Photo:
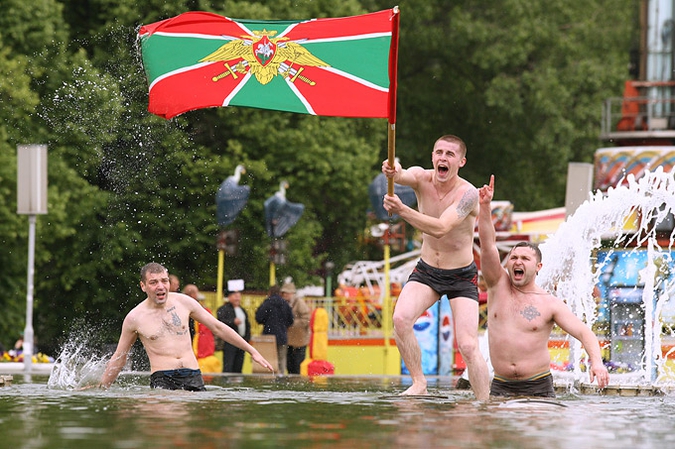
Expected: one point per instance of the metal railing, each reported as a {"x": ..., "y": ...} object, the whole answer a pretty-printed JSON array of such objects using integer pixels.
[
  {"x": 653, "y": 115},
  {"x": 646, "y": 107}
]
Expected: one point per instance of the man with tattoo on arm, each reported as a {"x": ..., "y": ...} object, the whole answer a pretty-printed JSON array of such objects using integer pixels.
[
  {"x": 446, "y": 215},
  {"x": 161, "y": 322},
  {"x": 521, "y": 316}
]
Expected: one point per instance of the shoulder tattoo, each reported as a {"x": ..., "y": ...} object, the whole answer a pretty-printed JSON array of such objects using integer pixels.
[{"x": 467, "y": 203}]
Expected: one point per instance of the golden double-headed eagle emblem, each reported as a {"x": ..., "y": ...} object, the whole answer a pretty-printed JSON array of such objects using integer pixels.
[{"x": 264, "y": 57}]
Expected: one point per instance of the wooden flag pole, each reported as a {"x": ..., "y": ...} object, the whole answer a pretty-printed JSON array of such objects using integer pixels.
[
  {"x": 391, "y": 154},
  {"x": 387, "y": 306}
]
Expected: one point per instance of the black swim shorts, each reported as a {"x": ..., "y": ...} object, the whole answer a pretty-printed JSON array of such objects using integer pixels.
[
  {"x": 460, "y": 282},
  {"x": 540, "y": 385},
  {"x": 178, "y": 379}
]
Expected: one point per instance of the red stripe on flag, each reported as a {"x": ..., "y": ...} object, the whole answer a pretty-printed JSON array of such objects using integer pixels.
[
  {"x": 195, "y": 23},
  {"x": 216, "y": 25},
  {"x": 393, "y": 67},
  {"x": 171, "y": 96},
  {"x": 378, "y": 22},
  {"x": 336, "y": 95}
]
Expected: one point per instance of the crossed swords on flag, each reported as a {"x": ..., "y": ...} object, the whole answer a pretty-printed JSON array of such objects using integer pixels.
[{"x": 285, "y": 70}]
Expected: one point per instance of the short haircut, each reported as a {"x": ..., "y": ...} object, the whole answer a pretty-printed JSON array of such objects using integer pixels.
[
  {"x": 454, "y": 139},
  {"x": 533, "y": 246},
  {"x": 152, "y": 267}
]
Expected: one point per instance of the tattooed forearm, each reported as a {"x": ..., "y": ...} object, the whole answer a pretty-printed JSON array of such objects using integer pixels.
[{"x": 467, "y": 203}]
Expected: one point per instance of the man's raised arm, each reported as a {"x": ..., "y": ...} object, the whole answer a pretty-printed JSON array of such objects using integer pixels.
[{"x": 490, "y": 263}]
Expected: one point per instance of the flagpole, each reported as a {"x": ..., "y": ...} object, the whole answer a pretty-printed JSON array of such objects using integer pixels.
[
  {"x": 387, "y": 307},
  {"x": 221, "y": 266},
  {"x": 393, "y": 67}
]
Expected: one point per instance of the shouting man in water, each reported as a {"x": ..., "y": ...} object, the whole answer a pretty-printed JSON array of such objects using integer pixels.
[
  {"x": 522, "y": 315},
  {"x": 447, "y": 210},
  {"x": 161, "y": 321}
]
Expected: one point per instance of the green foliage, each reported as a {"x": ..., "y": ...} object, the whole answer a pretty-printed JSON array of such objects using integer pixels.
[{"x": 521, "y": 82}]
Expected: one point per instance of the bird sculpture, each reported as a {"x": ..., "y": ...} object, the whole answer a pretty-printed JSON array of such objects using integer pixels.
[
  {"x": 231, "y": 197},
  {"x": 281, "y": 214}
]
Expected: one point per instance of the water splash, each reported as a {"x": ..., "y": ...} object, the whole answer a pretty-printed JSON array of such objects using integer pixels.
[
  {"x": 623, "y": 217},
  {"x": 82, "y": 359},
  {"x": 76, "y": 367}
]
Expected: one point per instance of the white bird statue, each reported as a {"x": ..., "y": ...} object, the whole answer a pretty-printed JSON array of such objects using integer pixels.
[
  {"x": 231, "y": 197},
  {"x": 281, "y": 214}
]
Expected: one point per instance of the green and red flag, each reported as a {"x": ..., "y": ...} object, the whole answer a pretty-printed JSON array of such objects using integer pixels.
[{"x": 343, "y": 67}]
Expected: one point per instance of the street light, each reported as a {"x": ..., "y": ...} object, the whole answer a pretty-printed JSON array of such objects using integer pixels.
[{"x": 31, "y": 200}]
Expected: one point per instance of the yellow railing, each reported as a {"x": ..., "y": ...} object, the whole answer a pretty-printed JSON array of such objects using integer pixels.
[{"x": 348, "y": 317}]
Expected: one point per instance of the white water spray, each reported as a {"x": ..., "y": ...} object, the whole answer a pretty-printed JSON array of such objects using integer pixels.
[{"x": 571, "y": 270}]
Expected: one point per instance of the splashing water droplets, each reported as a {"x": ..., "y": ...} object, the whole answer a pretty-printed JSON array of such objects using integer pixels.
[
  {"x": 625, "y": 216},
  {"x": 76, "y": 367}
]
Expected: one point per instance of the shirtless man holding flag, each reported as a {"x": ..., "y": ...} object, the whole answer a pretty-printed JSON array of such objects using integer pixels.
[{"x": 446, "y": 215}]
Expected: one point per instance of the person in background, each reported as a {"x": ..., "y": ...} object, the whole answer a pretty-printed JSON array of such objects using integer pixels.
[
  {"x": 522, "y": 315},
  {"x": 174, "y": 283},
  {"x": 203, "y": 342},
  {"x": 446, "y": 215},
  {"x": 18, "y": 347},
  {"x": 174, "y": 286},
  {"x": 161, "y": 323},
  {"x": 276, "y": 316},
  {"x": 232, "y": 314},
  {"x": 298, "y": 333}
]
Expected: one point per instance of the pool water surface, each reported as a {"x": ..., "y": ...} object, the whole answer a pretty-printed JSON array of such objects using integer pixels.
[{"x": 338, "y": 412}]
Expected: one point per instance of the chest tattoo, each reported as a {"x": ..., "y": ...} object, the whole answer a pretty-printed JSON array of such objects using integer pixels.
[
  {"x": 530, "y": 313},
  {"x": 175, "y": 319}
]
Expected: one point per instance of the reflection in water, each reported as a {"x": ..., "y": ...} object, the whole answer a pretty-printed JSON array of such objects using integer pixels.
[{"x": 341, "y": 412}]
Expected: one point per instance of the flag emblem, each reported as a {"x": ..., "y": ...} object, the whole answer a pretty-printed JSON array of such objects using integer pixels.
[{"x": 264, "y": 57}]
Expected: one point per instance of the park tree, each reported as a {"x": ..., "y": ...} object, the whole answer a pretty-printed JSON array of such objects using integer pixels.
[{"x": 521, "y": 81}]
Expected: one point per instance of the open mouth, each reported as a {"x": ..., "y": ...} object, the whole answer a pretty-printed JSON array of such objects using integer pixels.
[
  {"x": 442, "y": 169},
  {"x": 518, "y": 273}
]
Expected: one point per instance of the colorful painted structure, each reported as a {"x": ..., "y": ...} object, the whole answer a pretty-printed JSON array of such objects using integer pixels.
[{"x": 613, "y": 164}]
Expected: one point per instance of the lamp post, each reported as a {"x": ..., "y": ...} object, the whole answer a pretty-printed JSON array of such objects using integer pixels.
[
  {"x": 280, "y": 216},
  {"x": 31, "y": 200},
  {"x": 230, "y": 200},
  {"x": 329, "y": 266}
]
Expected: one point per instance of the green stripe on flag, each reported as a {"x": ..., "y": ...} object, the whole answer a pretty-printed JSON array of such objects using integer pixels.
[
  {"x": 274, "y": 95},
  {"x": 164, "y": 54},
  {"x": 364, "y": 58}
]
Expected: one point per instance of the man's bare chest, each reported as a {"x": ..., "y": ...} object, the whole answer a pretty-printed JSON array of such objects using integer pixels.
[{"x": 164, "y": 325}]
